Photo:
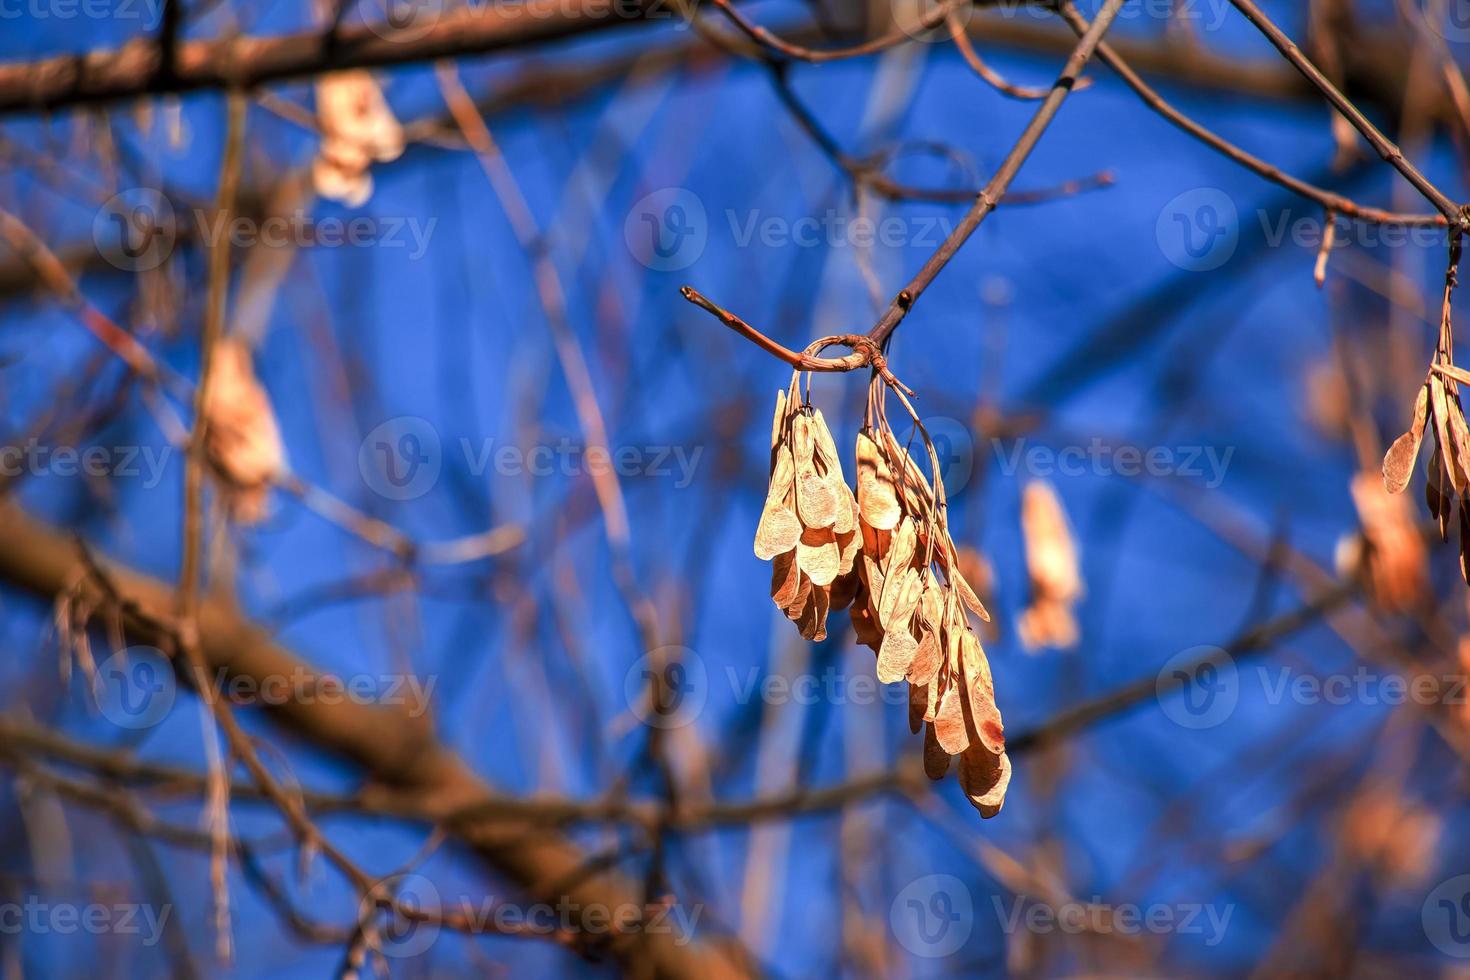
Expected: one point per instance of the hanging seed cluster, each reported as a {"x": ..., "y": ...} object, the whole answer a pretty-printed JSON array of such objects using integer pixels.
[
  {"x": 808, "y": 528},
  {"x": 1438, "y": 402},
  {"x": 884, "y": 553}
]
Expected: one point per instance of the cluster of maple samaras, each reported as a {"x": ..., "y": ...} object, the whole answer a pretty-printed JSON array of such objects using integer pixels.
[
  {"x": 876, "y": 553},
  {"x": 1448, "y": 483}
]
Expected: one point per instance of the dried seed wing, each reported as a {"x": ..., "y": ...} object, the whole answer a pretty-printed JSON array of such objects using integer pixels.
[
  {"x": 967, "y": 595},
  {"x": 983, "y": 715},
  {"x": 803, "y": 595},
  {"x": 1459, "y": 442},
  {"x": 1398, "y": 463},
  {"x": 783, "y": 476},
  {"x": 822, "y": 601},
  {"x": 949, "y": 723},
  {"x": 936, "y": 760},
  {"x": 1465, "y": 539},
  {"x": 876, "y": 543},
  {"x": 826, "y": 450},
  {"x": 802, "y": 442},
  {"x": 785, "y": 578},
  {"x": 779, "y": 531},
  {"x": 815, "y": 501},
  {"x": 1432, "y": 487},
  {"x": 924, "y": 667},
  {"x": 908, "y": 599},
  {"x": 847, "y": 551},
  {"x": 876, "y": 496},
  {"x": 845, "y": 589},
  {"x": 865, "y": 625},
  {"x": 845, "y": 521},
  {"x": 918, "y": 697},
  {"x": 778, "y": 422},
  {"x": 873, "y": 575},
  {"x": 1440, "y": 505},
  {"x": 1440, "y": 403},
  {"x": 931, "y": 603},
  {"x": 817, "y": 555},
  {"x": 895, "y": 655},
  {"x": 807, "y": 619},
  {"x": 985, "y": 776},
  {"x": 900, "y": 596},
  {"x": 905, "y": 542}
]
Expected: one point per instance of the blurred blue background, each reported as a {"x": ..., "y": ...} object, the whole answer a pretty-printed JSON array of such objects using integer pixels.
[{"x": 1080, "y": 317}]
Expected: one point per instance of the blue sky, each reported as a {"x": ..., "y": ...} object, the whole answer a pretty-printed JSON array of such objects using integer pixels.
[{"x": 1084, "y": 310}]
